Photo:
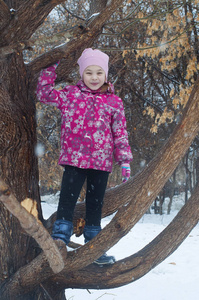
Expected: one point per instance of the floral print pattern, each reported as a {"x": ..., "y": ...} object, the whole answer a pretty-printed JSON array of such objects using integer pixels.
[{"x": 93, "y": 125}]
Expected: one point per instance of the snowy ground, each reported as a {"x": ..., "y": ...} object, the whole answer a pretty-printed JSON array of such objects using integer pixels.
[{"x": 176, "y": 278}]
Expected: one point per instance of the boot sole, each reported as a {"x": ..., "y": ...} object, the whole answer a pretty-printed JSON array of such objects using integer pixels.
[{"x": 111, "y": 262}]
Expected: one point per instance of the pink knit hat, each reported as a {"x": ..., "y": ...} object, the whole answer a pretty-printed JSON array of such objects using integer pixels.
[{"x": 94, "y": 57}]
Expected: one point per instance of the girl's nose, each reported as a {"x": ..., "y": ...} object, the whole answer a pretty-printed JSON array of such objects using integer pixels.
[{"x": 94, "y": 76}]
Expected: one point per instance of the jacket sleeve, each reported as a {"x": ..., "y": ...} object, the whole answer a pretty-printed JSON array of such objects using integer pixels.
[
  {"x": 122, "y": 151},
  {"x": 45, "y": 87}
]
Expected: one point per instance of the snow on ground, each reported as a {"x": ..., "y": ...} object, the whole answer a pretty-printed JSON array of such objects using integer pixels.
[{"x": 176, "y": 278}]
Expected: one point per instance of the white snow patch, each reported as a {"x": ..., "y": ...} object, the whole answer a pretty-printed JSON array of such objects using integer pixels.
[
  {"x": 175, "y": 278},
  {"x": 39, "y": 150}
]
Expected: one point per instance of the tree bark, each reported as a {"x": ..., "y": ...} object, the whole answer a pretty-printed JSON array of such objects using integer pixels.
[
  {"x": 132, "y": 268},
  {"x": 83, "y": 37},
  {"x": 18, "y": 163},
  {"x": 30, "y": 223},
  {"x": 26, "y": 19},
  {"x": 4, "y": 14},
  {"x": 19, "y": 167},
  {"x": 25, "y": 272},
  {"x": 140, "y": 193}
]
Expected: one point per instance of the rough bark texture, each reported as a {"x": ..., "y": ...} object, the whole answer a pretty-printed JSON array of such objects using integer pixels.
[
  {"x": 33, "y": 227},
  {"x": 25, "y": 272},
  {"x": 141, "y": 193},
  {"x": 19, "y": 168}
]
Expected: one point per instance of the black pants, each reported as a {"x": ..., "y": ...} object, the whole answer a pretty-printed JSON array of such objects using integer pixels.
[{"x": 72, "y": 182}]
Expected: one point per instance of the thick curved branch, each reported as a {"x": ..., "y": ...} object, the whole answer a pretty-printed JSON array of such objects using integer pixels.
[
  {"x": 84, "y": 36},
  {"x": 140, "y": 194},
  {"x": 132, "y": 268},
  {"x": 18, "y": 47},
  {"x": 122, "y": 272},
  {"x": 150, "y": 182},
  {"x": 146, "y": 186},
  {"x": 30, "y": 15},
  {"x": 32, "y": 227},
  {"x": 29, "y": 44}
]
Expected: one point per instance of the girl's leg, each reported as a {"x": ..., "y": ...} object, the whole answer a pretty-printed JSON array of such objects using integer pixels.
[
  {"x": 72, "y": 182},
  {"x": 96, "y": 186}
]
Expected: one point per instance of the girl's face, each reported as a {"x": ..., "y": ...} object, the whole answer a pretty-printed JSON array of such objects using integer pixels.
[{"x": 94, "y": 77}]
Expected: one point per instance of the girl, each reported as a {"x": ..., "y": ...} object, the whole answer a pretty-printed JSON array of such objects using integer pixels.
[{"x": 93, "y": 130}]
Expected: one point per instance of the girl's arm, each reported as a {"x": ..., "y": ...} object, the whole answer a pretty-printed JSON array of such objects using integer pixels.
[
  {"x": 45, "y": 88},
  {"x": 122, "y": 150}
]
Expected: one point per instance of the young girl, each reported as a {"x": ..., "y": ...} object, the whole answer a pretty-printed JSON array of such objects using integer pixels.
[{"x": 93, "y": 129}]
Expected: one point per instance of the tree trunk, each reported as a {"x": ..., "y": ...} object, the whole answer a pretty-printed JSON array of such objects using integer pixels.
[
  {"x": 19, "y": 167},
  {"x": 25, "y": 272},
  {"x": 140, "y": 193}
]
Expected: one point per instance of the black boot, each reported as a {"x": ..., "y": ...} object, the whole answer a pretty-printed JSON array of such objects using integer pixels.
[
  {"x": 89, "y": 233},
  {"x": 62, "y": 230}
]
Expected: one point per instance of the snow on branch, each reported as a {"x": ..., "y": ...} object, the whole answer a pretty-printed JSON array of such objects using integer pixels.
[
  {"x": 29, "y": 223},
  {"x": 93, "y": 16}
]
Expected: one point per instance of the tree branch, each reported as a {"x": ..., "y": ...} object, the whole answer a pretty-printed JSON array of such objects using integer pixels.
[
  {"x": 122, "y": 272},
  {"x": 140, "y": 193},
  {"x": 18, "y": 47},
  {"x": 29, "y": 44},
  {"x": 84, "y": 37},
  {"x": 32, "y": 227},
  {"x": 4, "y": 14},
  {"x": 134, "y": 267},
  {"x": 70, "y": 12},
  {"x": 30, "y": 15},
  {"x": 96, "y": 7}
]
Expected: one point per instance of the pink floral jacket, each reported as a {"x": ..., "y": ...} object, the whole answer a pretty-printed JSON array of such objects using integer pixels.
[{"x": 93, "y": 124}]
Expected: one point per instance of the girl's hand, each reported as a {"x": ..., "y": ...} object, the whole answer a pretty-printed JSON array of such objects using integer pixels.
[{"x": 126, "y": 172}]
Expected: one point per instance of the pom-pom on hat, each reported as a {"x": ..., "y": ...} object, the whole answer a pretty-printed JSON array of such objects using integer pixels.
[{"x": 92, "y": 57}]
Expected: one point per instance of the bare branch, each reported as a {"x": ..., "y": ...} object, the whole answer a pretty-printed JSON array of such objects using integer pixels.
[
  {"x": 83, "y": 37},
  {"x": 32, "y": 227},
  {"x": 72, "y": 14}
]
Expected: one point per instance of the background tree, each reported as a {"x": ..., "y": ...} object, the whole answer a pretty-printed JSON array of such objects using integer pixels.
[
  {"x": 32, "y": 266},
  {"x": 144, "y": 78}
]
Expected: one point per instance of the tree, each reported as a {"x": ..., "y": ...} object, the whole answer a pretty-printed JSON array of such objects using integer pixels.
[
  {"x": 155, "y": 80},
  {"x": 33, "y": 266}
]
